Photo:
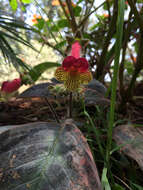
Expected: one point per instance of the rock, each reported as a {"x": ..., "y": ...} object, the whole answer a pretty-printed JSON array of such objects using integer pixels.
[
  {"x": 46, "y": 156},
  {"x": 38, "y": 90},
  {"x": 132, "y": 139},
  {"x": 95, "y": 94},
  {"x": 55, "y": 81},
  {"x": 97, "y": 86}
]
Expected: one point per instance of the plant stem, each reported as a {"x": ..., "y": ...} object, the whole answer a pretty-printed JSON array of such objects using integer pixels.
[
  {"x": 119, "y": 34},
  {"x": 73, "y": 21},
  {"x": 127, "y": 33},
  {"x": 137, "y": 15},
  {"x": 138, "y": 68},
  {"x": 70, "y": 106},
  {"x": 96, "y": 132},
  {"x": 102, "y": 62},
  {"x": 52, "y": 110}
]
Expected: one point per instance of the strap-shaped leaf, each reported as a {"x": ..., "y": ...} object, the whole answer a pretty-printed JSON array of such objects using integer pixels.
[{"x": 37, "y": 71}]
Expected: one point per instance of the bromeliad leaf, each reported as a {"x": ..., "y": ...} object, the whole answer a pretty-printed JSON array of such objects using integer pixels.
[{"x": 37, "y": 71}]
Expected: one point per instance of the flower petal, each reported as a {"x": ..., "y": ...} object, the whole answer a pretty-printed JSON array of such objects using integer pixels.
[
  {"x": 81, "y": 64},
  {"x": 72, "y": 84},
  {"x": 75, "y": 50},
  {"x": 85, "y": 77},
  {"x": 60, "y": 74},
  {"x": 68, "y": 62}
]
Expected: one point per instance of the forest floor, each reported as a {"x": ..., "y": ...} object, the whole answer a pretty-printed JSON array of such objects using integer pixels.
[{"x": 25, "y": 110}]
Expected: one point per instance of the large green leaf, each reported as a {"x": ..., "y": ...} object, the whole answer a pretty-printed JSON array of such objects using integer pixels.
[
  {"x": 26, "y": 1},
  {"x": 13, "y": 4},
  {"x": 37, "y": 71}
]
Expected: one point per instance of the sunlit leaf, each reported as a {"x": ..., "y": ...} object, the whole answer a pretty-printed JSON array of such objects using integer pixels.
[
  {"x": 13, "y": 4},
  {"x": 37, "y": 71},
  {"x": 26, "y": 1},
  {"x": 40, "y": 23}
]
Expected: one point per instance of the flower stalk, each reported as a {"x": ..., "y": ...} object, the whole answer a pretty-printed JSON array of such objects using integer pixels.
[
  {"x": 52, "y": 110},
  {"x": 70, "y": 105}
]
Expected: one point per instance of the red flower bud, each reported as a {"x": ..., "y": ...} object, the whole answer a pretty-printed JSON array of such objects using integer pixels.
[
  {"x": 75, "y": 50},
  {"x": 11, "y": 86}
]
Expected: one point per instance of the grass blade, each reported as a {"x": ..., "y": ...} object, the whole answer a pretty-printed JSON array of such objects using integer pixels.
[{"x": 119, "y": 35}]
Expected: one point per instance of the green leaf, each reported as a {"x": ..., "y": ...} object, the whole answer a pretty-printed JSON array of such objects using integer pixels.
[
  {"x": 118, "y": 46},
  {"x": 54, "y": 28},
  {"x": 118, "y": 187},
  {"x": 23, "y": 8},
  {"x": 77, "y": 11},
  {"x": 13, "y": 4},
  {"x": 138, "y": 187},
  {"x": 37, "y": 71},
  {"x": 80, "y": 1},
  {"x": 40, "y": 23},
  {"x": 63, "y": 23},
  {"x": 129, "y": 66},
  {"x": 104, "y": 180},
  {"x": 61, "y": 44},
  {"x": 26, "y": 1},
  {"x": 139, "y": 1}
]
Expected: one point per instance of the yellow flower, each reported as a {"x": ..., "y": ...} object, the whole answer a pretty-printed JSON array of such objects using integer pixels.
[{"x": 73, "y": 72}]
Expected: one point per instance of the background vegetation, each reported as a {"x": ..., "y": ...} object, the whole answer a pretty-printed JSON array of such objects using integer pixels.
[{"x": 111, "y": 34}]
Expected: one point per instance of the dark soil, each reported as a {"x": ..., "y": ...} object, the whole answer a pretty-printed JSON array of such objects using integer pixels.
[
  {"x": 25, "y": 110},
  {"x": 20, "y": 111}
]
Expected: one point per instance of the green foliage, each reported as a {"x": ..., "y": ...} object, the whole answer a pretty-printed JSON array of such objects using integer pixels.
[
  {"x": 63, "y": 23},
  {"x": 118, "y": 187},
  {"x": 13, "y": 4},
  {"x": 138, "y": 187},
  {"x": 36, "y": 71},
  {"x": 120, "y": 21},
  {"x": 26, "y": 1},
  {"x": 109, "y": 41},
  {"x": 40, "y": 23},
  {"x": 10, "y": 36},
  {"x": 77, "y": 11},
  {"x": 104, "y": 180}
]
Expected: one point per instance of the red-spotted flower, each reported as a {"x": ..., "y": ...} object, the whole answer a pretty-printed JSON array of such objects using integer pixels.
[
  {"x": 11, "y": 86},
  {"x": 74, "y": 70}
]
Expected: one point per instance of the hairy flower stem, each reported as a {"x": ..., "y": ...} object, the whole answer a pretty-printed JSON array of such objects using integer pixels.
[
  {"x": 70, "y": 106},
  {"x": 52, "y": 110}
]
